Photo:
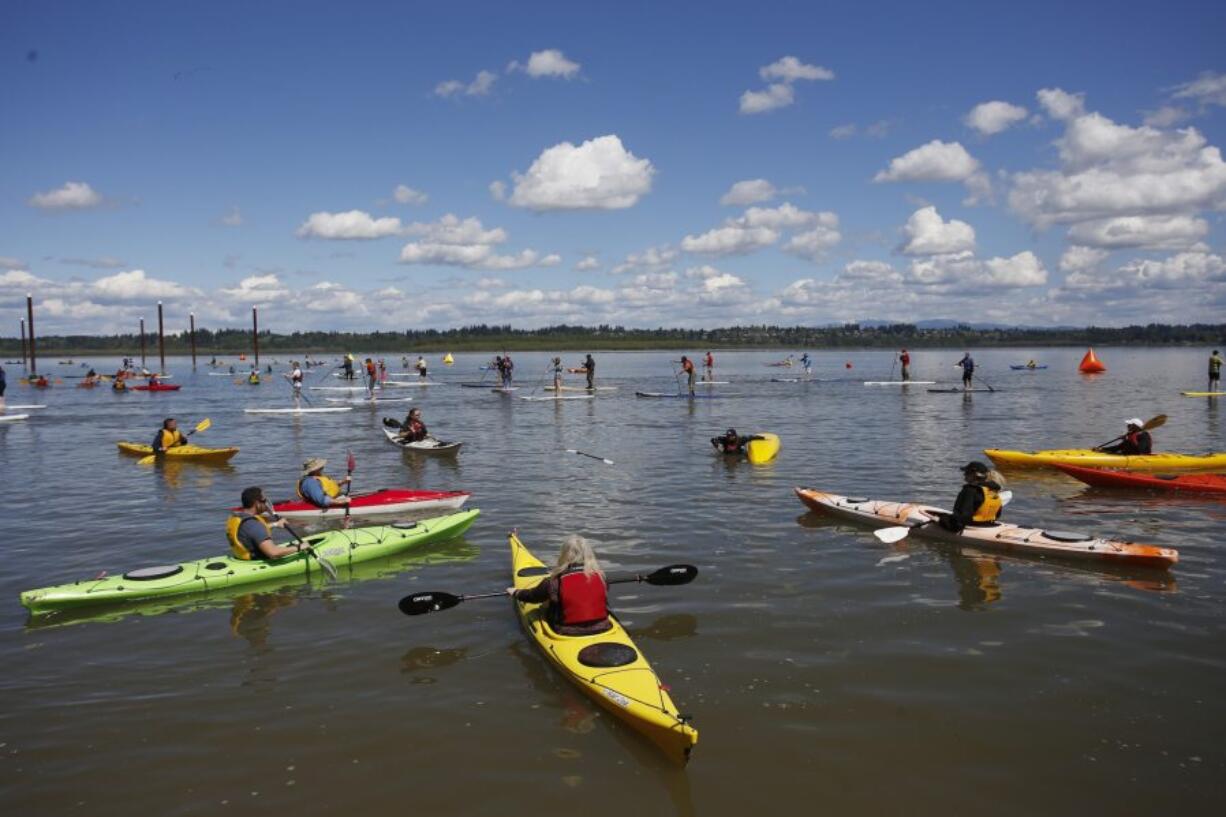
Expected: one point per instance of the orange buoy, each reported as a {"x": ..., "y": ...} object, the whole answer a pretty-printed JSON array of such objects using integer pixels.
[{"x": 1090, "y": 364}]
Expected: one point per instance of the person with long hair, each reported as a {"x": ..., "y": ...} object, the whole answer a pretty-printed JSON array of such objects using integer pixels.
[{"x": 575, "y": 590}]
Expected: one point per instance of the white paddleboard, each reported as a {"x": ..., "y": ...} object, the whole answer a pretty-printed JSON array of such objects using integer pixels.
[
  {"x": 8, "y": 418},
  {"x": 390, "y": 385},
  {"x": 331, "y": 410},
  {"x": 712, "y": 382},
  {"x": 900, "y": 382},
  {"x": 505, "y": 389},
  {"x": 582, "y": 388},
  {"x": 27, "y": 406},
  {"x": 540, "y": 397},
  {"x": 367, "y": 401},
  {"x": 337, "y": 388}
]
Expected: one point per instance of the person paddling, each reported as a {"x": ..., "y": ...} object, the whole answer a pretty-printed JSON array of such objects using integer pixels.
[
  {"x": 557, "y": 374},
  {"x": 1215, "y": 371},
  {"x": 295, "y": 380},
  {"x": 708, "y": 367},
  {"x": 250, "y": 535},
  {"x": 168, "y": 436},
  {"x": 968, "y": 370},
  {"x": 508, "y": 366},
  {"x": 978, "y": 502},
  {"x": 1136, "y": 440},
  {"x": 422, "y": 369},
  {"x": 807, "y": 363},
  {"x": 319, "y": 490},
  {"x": 413, "y": 430},
  {"x": 575, "y": 589},
  {"x": 347, "y": 366},
  {"x": 589, "y": 366},
  {"x": 905, "y": 360},
  {"x": 687, "y": 368}
]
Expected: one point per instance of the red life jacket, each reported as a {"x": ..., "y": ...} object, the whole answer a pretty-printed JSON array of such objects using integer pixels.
[{"x": 583, "y": 599}]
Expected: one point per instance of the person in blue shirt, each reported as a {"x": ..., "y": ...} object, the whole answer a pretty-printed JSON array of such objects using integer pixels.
[
  {"x": 250, "y": 534},
  {"x": 968, "y": 370},
  {"x": 319, "y": 490},
  {"x": 807, "y": 363}
]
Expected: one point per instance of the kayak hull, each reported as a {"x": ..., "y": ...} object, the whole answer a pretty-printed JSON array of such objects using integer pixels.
[
  {"x": 632, "y": 692},
  {"x": 1025, "y": 368},
  {"x": 1163, "y": 462},
  {"x": 159, "y": 387},
  {"x": 343, "y": 548},
  {"x": 376, "y": 502},
  {"x": 764, "y": 450},
  {"x": 187, "y": 452},
  {"x": 1203, "y": 393},
  {"x": 1181, "y": 483},
  {"x": 998, "y": 536},
  {"x": 428, "y": 446}
]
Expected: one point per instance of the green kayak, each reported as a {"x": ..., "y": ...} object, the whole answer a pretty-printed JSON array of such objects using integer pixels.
[{"x": 343, "y": 548}]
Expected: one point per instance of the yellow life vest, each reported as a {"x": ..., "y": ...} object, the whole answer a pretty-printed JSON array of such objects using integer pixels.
[
  {"x": 989, "y": 509},
  {"x": 237, "y": 548},
  {"x": 253, "y": 378},
  {"x": 172, "y": 438},
  {"x": 331, "y": 487}
]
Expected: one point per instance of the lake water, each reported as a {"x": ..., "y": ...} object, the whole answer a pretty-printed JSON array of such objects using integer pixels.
[{"x": 825, "y": 671}]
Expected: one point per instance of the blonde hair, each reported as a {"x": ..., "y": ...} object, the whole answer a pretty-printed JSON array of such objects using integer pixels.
[
  {"x": 576, "y": 551},
  {"x": 997, "y": 477}
]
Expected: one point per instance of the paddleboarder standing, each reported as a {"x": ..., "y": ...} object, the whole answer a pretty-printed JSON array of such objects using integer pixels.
[
  {"x": 1215, "y": 372},
  {"x": 687, "y": 367},
  {"x": 589, "y": 366},
  {"x": 295, "y": 381},
  {"x": 708, "y": 367},
  {"x": 968, "y": 370},
  {"x": 905, "y": 360}
]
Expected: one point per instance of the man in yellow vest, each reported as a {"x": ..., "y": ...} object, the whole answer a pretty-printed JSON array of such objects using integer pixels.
[
  {"x": 978, "y": 502},
  {"x": 319, "y": 490},
  {"x": 168, "y": 436},
  {"x": 250, "y": 534}
]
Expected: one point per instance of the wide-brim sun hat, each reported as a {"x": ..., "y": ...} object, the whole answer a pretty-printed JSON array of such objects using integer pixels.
[{"x": 313, "y": 464}]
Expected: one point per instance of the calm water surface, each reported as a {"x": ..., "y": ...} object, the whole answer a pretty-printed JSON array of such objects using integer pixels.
[{"x": 824, "y": 670}]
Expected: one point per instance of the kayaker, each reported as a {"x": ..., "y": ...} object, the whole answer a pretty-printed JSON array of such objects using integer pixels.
[
  {"x": 731, "y": 442},
  {"x": 41, "y": 382},
  {"x": 321, "y": 491},
  {"x": 168, "y": 436},
  {"x": 968, "y": 370},
  {"x": 1215, "y": 372},
  {"x": 422, "y": 370},
  {"x": 118, "y": 383},
  {"x": 687, "y": 368},
  {"x": 575, "y": 590},
  {"x": 590, "y": 365},
  {"x": 250, "y": 534},
  {"x": 1136, "y": 440},
  {"x": 413, "y": 430},
  {"x": 905, "y": 360},
  {"x": 978, "y": 502},
  {"x": 254, "y": 378},
  {"x": 153, "y": 380},
  {"x": 557, "y": 374},
  {"x": 1030, "y": 364}
]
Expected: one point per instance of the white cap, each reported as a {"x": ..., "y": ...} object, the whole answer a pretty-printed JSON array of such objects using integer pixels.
[{"x": 1136, "y": 421}]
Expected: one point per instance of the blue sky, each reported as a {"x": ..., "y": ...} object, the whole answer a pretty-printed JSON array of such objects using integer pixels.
[{"x": 1036, "y": 163}]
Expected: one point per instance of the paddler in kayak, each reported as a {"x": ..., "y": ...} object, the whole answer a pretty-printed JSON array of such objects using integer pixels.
[
  {"x": 968, "y": 370},
  {"x": 168, "y": 436},
  {"x": 1030, "y": 364},
  {"x": 250, "y": 534},
  {"x": 575, "y": 589},
  {"x": 1215, "y": 371},
  {"x": 254, "y": 378},
  {"x": 1136, "y": 440},
  {"x": 978, "y": 502},
  {"x": 687, "y": 368},
  {"x": 413, "y": 430},
  {"x": 118, "y": 384},
  {"x": 321, "y": 491},
  {"x": 905, "y": 360},
  {"x": 732, "y": 443}
]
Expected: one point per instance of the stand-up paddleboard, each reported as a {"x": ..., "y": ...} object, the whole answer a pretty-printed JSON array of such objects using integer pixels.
[
  {"x": 224, "y": 374},
  {"x": 659, "y": 395},
  {"x": 582, "y": 388},
  {"x": 366, "y": 401},
  {"x": 552, "y": 397},
  {"x": 900, "y": 382},
  {"x": 795, "y": 380},
  {"x": 388, "y": 384},
  {"x": 8, "y": 418},
  {"x": 325, "y": 410},
  {"x": 338, "y": 388},
  {"x": 505, "y": 389},
  {"x": 960, "y": 391},
  {"x": 712, "y": 382},
  {"x": 24, "y": 407},
  {"x": 1203, "y": 393}
]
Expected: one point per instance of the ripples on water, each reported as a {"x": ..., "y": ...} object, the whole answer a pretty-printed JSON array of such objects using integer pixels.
[{"x": 824, "y": 669}]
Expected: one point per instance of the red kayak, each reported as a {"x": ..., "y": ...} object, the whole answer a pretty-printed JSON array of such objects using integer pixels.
[
  {"x": 388, "y": 501},
  {"x": 156, "y": 387},
  {"x": 1112, "y": 478}
]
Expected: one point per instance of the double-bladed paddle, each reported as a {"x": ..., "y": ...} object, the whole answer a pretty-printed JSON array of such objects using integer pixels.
[
  {"x": 203, "y": 425},
  {"x": 433, "y": 601},
  {"x": 324, "y": 565},
  {"x": 897, "y": 534},
  {"x": 1150, "y": 424},
  {"x": 605, "y": 460}
]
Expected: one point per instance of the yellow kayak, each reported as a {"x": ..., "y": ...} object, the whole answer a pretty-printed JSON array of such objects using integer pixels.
[
  {"x": 1162, "y": 461},
  {"x": 607, "y": 666},
  {"x": 181, "y": 452},
  {"x": 763, "y": 450}
]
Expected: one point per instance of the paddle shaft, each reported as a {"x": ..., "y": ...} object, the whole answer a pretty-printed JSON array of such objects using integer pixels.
[{"x": 1153, "y": 422}]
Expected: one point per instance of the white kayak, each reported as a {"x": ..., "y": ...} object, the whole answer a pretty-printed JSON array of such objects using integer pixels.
[
  {"x": 900, "y": 382},
  {"x": 430, "y": 445},
  {"x": 325, "y": 410},
  {"x": 8, "y": 418}
]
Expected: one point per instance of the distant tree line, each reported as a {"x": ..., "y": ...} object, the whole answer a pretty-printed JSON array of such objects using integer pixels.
[{"x": 482, "y": 337}]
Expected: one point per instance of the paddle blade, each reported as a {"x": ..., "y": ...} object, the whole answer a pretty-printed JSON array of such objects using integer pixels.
[
  {"x": 326, "y": 566},
  {"x": 892, "y": 535},
  {"x": 204, "y": 425},
  {"x": 672, "y": 575},
  {"x": 1006, "y": 497},
  {"x": 390, "y": 423},
  {"x": 351, "y": 463},
  {"x": 149, "y": 460},
  {"x": 1155, "y": 422},
  {"x": 428, "y": 602}
]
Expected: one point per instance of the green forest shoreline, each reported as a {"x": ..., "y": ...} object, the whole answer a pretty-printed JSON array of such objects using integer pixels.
[{"x": 615, "y": 338}]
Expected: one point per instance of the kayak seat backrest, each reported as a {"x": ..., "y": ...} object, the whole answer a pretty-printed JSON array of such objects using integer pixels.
[
  {"x": 607, "y": 654},
  {"x": 404, "y": 525},
  {"x": 856, "y": 500},
  {"x": 533, "y": 571},
  {"x": 146, "y": 574},
  {"x": 1166, "y": 476},
  {"x": 1067, "y": 536}
]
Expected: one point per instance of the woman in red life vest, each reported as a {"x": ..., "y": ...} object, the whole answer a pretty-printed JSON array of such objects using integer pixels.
[
  {"x": 1136, "y": 440},
  {"x": 905, "y": 360},
  {"x": 575, "y": 589}
]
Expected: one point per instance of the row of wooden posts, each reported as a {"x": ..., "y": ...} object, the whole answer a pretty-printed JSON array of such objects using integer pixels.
[{"x": 29, "y": 354}]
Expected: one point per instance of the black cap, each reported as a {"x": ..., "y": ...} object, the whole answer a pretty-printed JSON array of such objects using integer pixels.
[
  {"x": 252, "y": 495},
  {"x": 975, "y": 466}
]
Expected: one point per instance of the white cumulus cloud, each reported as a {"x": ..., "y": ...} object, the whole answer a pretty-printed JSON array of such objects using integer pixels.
[
  {"x": 749, "y": 191},
  {"x": 452, "y": 241},
  {"x": 599, "y": 174},
  {"x": 790, "y": 69},
  {"x": 993, "y": 117},
  {"x": 587, "y": 263},
  {"x": 1207, "y": 89},
  {"x": 1178, "y": 232},
  {"x": 1060, "y": 104},
  {"x": 928, "y": 234},
  {"x": 72, "y": 196},
  {"x": 352, "y": 224},
  {"x": 776, "y": 95},
  {"x": 481, "y": 85},
  {"x": 731, "y": 239},
  {"x": 779, "y": 93},
  {"x": 938, "y": 161},
  {"x": 548, "y": 63},
  {"x": 1079, "y": 259},
  {"x": 407, "y": 195}
]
